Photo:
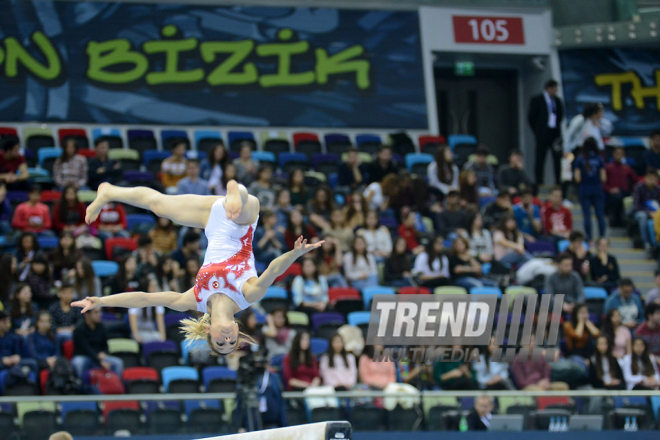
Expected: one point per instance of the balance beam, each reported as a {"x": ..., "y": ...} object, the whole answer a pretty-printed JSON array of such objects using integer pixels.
[{"x": 313, "y": 431}]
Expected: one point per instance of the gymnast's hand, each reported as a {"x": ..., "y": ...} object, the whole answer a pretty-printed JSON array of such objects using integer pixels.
[
  {"x": 87, "y": 304},
  {"x": 301, "y": 247}
]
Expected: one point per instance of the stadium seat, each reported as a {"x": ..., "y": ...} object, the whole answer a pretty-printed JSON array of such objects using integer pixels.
[
  {"x": 318, "y": 346},
  {"x": 325, "y": 163},
  {"x": 141, "y": 380},
  {"x": 325, "y": 324},
  {"x": 345, "y": 300},
  {"x": 8, "y": 133},
  {"x": 164, "y": 421},
  {"x": 456, "y": 139},
  {"x": 117, "y": 247},
  {"x": 337, "y": 143},
  {"x": 264, "y": 156},
  {"x": 450, "y": 290},
  {"x": 275, "y": 297},
  {"x": 47, "y": 242},
  {"x": 207, "y": 139},
  {"x": 410, "y": 290},
  {"x": 180, "y": 379},
  {"x": 463, "y": 152},
  {"x": 169, "y": 137},
  {"x": 190, "y": 346},
  {"x": 78, "y": 134},
  {"x": 541, "y": 249},
  {"x": 205, "y": 418},
  {"x": 404, "y": 420},
  {"x": 486, "y": 291},
  {"x": 129, "y": 159},
  {"x": 141, "y": 140},
  {"x": 430, "y": 143},
  {"x": 326, "y": 414},
  {"x": 153, "y": 158},
  {"x": 36, "y": 423},
  {"x": 619, "y": 417},
  {"x": 307, "y": 143},
  {"x": 417, "y": 163},
  {"x": 291, "y": 161},
  {"x": 219, "y": 379},
  {"x": 369, "y": 292},
  {"x": 595, "y": 293},
  {"x": 368, "y": 418},
  {"x": 122, "y": 416},
  {"x": 143, "y": 177},
  {"x": 358, "y": 318},
  {"x": 46, "y": 157},
  {"x": 36, "y": 138},
  {"x": 23, "y": 408},
  {"x": 159, "y": 355},
  {"x": 275, "y": 141},
  {"x": 104, "y": 269},
  {"x": 80, "y": 418},
  {"x": 368, "y": 143},
  {"x": 135, "y": 220},
  {"x": 113, "y": 135},
  {"x": 117, "y": 345},
  {"x": 50, "y": 197},
  {"x": 236, "y": 137}
]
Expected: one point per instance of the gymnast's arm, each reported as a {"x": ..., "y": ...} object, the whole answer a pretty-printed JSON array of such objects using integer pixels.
[{"x": 180, "y": 302}]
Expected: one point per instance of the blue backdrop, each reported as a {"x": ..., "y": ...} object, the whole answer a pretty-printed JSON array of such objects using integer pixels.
[
  {"x": 184, "y": 64},
  {"x": 626, "y": 81}
]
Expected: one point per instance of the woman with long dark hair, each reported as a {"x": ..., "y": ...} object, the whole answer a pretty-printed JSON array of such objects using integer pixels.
[
  {"x": 27, "y": 248},
  {"x": 213, "y": 166},
  {"x": 246, "y": 167},
  {"x": 163, "y": 236},
  {"x": 23, "y": 312},
  {"x": 147, "y": 324},
  {"x": 40, "y": 281},
  {"x": 250, "y": 327},
  {"x": 301, "y": 370},
  {"x": 640, "y": 368},
  {"x": 465, "y": 270},
  {"x": 490, "y": 374},
  {"x": 8, "y": 276},
  {"x": 443, "y": 173},
  {"x": 468, "y": 189},
  {"x": 69, "y": 212},
  {"x": 329, "y": 260},
  {"x": 509, "y": 244},
  {"x": 356, "y": 210},
  {"x": 480, "y": 240},
  {"x": 589, "y": 174},
  {"x": 377, "y": 236},
  {"x": 398, "y": 267},
  {"x": 432, "y": 265},
  {"x": 618, "y": 334},
  {"x": 338, "y": 367},
  {"x": 360, "y": 266},
  {"x": 41, "y": 343},
  {"x": 321, "y": 206},
  {"x": 337, "y": 228},
  {"x": 277, "y": 332},
  {"x": 65, "y": 256},
  {"x": 295, "y": 228},
  {"x": 296, "y": 186},
  {"x": 604, "y": 266},
  {"x": 310, "y": 290},
  {"x": 190, "y": 273},
  {"x": 604, "y": 369},
  {"x": 85, "y": 282},
  {"x": 580, "y": 333},
  {"x": 70, "y": 168},
  {"x": 126, "y": 279},
  {"x": 166, "y": 274}
]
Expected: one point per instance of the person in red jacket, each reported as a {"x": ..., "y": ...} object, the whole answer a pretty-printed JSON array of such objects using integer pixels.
[
  {"x": 111, "y": 222},
  {"x": 408, "y": 232},
  {"x": 619, "y": 184},
  {"x": 557, "y": 219},
  {"x": 32, "y": 216},
  {"x": 69, "y": 213},
  {"x": 301, "y": 370}
]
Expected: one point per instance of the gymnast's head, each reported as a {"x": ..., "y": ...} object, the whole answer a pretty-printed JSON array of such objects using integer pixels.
[{"x": 223, "y": 335}]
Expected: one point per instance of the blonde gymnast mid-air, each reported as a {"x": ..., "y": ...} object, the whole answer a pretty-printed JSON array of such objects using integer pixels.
[{"x": 227, "y": 282}]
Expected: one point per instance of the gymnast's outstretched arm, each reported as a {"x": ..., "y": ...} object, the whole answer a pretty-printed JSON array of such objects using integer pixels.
[{"x": 172, "y": 300}]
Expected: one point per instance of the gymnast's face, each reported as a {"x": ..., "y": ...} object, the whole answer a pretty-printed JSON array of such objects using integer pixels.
[{"x": 224, "y": 336}]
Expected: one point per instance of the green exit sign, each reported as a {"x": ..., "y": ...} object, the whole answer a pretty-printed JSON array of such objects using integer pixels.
[{"x": 464, "y": 68}]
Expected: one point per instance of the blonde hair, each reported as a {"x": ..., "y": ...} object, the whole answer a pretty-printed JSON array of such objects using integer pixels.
[
  {"x": 62, "y": 435},
  {"x": 195, "y": 330}
]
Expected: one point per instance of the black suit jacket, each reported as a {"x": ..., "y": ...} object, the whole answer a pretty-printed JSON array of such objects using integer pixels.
[
  {"x": 475, "y": 423},
  {"x": 538, "y": 116}
]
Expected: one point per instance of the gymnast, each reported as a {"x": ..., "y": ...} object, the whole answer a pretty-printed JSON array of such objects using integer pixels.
[{"x": 227, "y": 282}]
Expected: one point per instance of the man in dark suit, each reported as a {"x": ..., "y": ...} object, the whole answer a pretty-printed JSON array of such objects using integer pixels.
[
  {"x": 546, "y": 111},
  {"x": 479, "y": 418}
]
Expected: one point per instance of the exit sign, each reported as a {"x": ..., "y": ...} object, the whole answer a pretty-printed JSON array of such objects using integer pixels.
[{"x": 464, "y": 68}]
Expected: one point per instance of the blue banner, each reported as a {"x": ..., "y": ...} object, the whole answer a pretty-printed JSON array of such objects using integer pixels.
[
  {"x": 625, "y": 81},
  {"x": 184, "y": 64}
]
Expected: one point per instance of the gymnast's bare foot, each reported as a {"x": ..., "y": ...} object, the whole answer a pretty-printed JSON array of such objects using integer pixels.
[
  {"x": 233, "y": 203},
  {"x": 95, "y": 207}
]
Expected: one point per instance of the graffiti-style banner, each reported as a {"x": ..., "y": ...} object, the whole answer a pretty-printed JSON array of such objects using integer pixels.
[
  {"x": 184, "y": 64},
  {"x": 626, "y": 81}
]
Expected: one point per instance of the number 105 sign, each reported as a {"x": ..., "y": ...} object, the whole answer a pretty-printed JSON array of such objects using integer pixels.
[{"x": 488, "y": 30}]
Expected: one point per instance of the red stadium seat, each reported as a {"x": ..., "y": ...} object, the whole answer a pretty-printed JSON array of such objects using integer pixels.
[
  {"x": 140, "y": 373},
  {"x": 293, "y": 271},
  {"x": 343, "y": 293},
  {"x": 50, "y": 196},
  {"x": 299, "y": 137},
  {"x": 43, "y": 379},
  {"x": 71, "y": 132},
  {"x": 113, "y": 406},
  {"x": 544, "y": 402},
  {"x": 8, "y": 131},
  {"x": 414, "y": 291},
  {"x": 118, "y": 242},
  {"x": 429, "y": 139},
  {"x": 86, "y": 152},
  {"x": 67, "y": 349}
]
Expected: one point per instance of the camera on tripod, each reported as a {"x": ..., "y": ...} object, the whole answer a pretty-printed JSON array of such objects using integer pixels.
[{"x": 252, "y": 366}]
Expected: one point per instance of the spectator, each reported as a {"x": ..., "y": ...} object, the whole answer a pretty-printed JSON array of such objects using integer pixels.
[
  {"x": 580, "y": 333},
  {"x": 64, "y": 317},
  {"x": 13, "y": 168},
  {"x": 380, "y": 195},
  {"x": 268, "y": 242},
  {"x": 338, "y": 368},
  {"x": 8, "y": 276},
  {"x": 409, "y": 233},
  {"x": 653, "y": 296},
  {"x": 329, "y": 262},
  {"x": 557, "y": 219},
  {"x": 589, "y": 173},
  {"x": 546, "y": 112},
  {"x": 85, "y": 281},
  {"x": 479, "y": 239},
  {"x": 578, "y": 252},
  {"x": 300, "y": 368},
  {"x": 10, "y": 348},
  {"x": 173, "y": 168},
  {"x": 375, "y": 374},
  {"x": 604, "y": 369},
  {"x": 111, "y": 222},
  {"x": 190, "y": 273},
  {"x": 228, "y": 175},
  {"x": 100, "y": 168},
  {"x": 212, "y": 168},
  {"x": 356, "y": 211},
  {"x": 432, "y": 266},
  {"x": 90, "y": 346},
  {"x": 604, "y": 266},
  {"x": 567, "y": 282},
  {"x": 534, "y": 375},
  {"x": 277, "y": 332},
  {"x": 23, "y": 312},
  {"x": 262, "y": 188},
  {"x": 70, "y": 168},
  {"x": 147, "y": 324},
  {"x": 297, "y": 190},
  {"x": 508, "y": 243},
  {"x": 190, "y": 249},
  {"x": 644, "y": 195},
  {"x": 360, "y": 266},
  {"x": 310, "y": 290},
  {"x": 490, "y": 374},
  {"x": 5, "y": 210},
  {"x": 494, "y": 212},
  {"x": 145, "y": 256},
  {"x": 296, "y": 228},
  {"x": 479, "y": 417},
  {"x": 337, "y": 228},
  {"x": 629, "y": 305},
  {"x": 465, "y": 270},
  {"x": 382, "y": 166},
  {"x": 484, "y": 170},
  {"x": 320, "y": 207},
  {"x": 512, "y": 177},
  {"x": 454, "y": 375},
  {"x": 350, "y": 174},
  {"x": 163, "y": 236},
  {"x": 398, "y": 267},
  {"x": 453, "y": 218},
  {"x": 618, "y": 185},
  {"x": 652, "y": 155},
  {"x": 40, "y": 281},
  {"x": 63, "y": 259},
  {"x": 649, "y": 330},
  {"x": 468, "y": 190},
  {"x": 282, "y": 208},
  {"x": 192, "y": 184},
  {"x": 27, "y": 248},
  {"x": 618, "y": 335},
  {"x": 528, "y": 216},
  {"x": 246, "y": 167},
  {"x": 126, "y": 279},
  {"x": 442, "y": 173},
  {"x": 377, "y": 237},
  {"x": 247, "y": 321},
  {"x": 640, "y": 369},
  {"x": 41, "y": 343},
  {"x": 32, "y": 216},
  {"x": 69, "y": 212}
]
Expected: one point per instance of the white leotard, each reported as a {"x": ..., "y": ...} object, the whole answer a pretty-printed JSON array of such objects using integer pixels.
[{"x": 229, "y": 260}]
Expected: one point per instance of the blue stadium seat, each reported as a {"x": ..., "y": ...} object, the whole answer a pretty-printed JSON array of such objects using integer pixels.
[
  {"x": 655, "y": 405},
  {"x": 169, "y": 134},
  {"x": 413, "y": 159},
  {"x": 77, "y": 406},
  {"x": 168, "y": 374},
  {"x": 105, "y": 131},
  {"x": 367, "y": 138},
  {"x": 205, "y": 139},
  {"x": 104, "y": 268},
  {"x": 190, "y": 346},
  {"x": 292, "y": 157},
  {"x": 192, "y": 405},
  {"x": 212, "y": 373},
  {"x": 264, "y": 156},
  {"x": 562, "y": 245},
  {"x": 486, "y": 291},
  {"x": 48, "y": 153},
  {"x": 455, "y": 139},
  {"x": 276, "y": 292},
  {"x": 47, "y": 242},
  {"x": 369, "y": 292},
  {"x": 318, "y": 346},
  {"x": 134, "y": 220},
  {"x": 651, "y": 226},
  {"x": 235, "y": 137},
  {"x": 631, "y": 142},
  {"x": 357, "y": 318},
  {"x": 151, "y": 155},
  {"x": 38, "y": 173},
  {"x": 595, "y": 293}
]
